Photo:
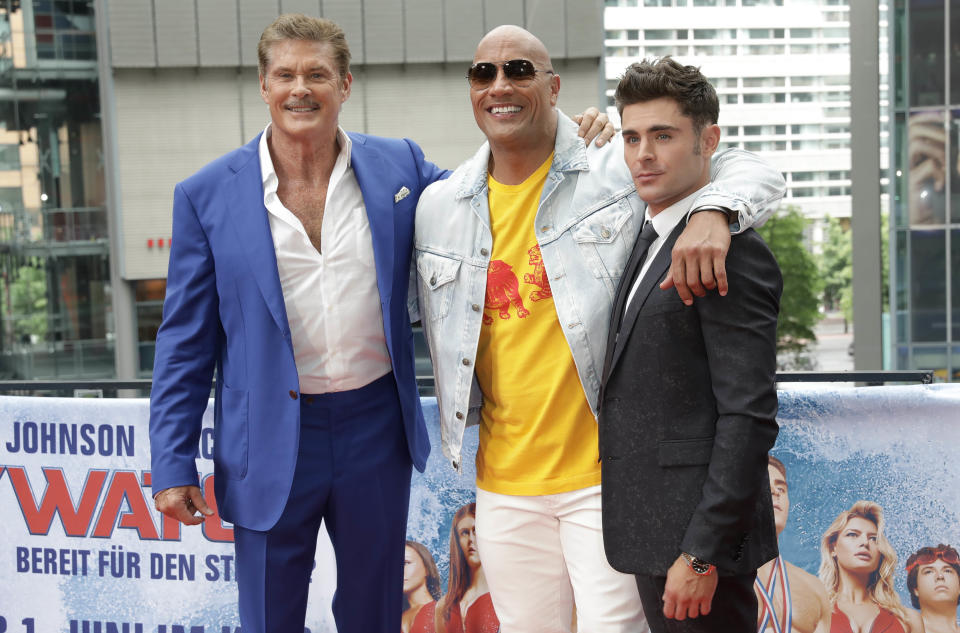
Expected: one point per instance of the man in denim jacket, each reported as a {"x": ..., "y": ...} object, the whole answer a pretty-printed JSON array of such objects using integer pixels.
[{"x": 518, "y": 257}]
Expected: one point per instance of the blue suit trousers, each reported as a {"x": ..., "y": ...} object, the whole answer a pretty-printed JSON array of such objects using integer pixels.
[{"x": 353, "y": 473}]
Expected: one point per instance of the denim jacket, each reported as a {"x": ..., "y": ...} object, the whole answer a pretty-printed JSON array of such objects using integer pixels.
[{"x": 588, "y": 218}]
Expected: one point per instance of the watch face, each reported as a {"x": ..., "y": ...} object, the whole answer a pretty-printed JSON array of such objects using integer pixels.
[{"x": 698, "y": 566}]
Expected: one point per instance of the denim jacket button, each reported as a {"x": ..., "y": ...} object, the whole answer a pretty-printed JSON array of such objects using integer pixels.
[
  {"x": 433, "y": 280},
  {"x": 475, "y": 307},
  {"x": 466, "y": 361},
  {"x": 459, "y": 415},
  {"x": 484, "y": 252}
]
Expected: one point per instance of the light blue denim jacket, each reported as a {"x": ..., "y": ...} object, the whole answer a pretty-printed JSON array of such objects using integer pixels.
[{"x": 586, "y": 224}]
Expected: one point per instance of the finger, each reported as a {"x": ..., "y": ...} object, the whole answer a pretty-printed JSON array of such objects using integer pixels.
[
  {"x": 680, "y": 612},
  {"x": 669, "y": 607},
  {"x": 606, "y": 134},
  {"x": 595, "y": 129},
  {"x": 705, "y": 606},
  {"x": 177, "y": 503},
  {"x": 706, "y": 270},
  {"x": 187, "y": 515},
  {"x": 181, "y": 512},
  {"x": 667, "y": 283},
  {"x": 587, "y": 119},
  {"x": 678, "y": 274},
  {"x": 196, "y": 497},
  {"x": 693, "y": 276},
  {"x": 720, "y": 272},
  {"x": 693, "y": 611}
]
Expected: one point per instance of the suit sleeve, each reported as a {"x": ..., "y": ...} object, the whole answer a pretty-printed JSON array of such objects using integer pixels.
[
  {"x": 185, "y": 351},
  {"x": 744, "y": 183},
  {"x": 740, "y": 333}
]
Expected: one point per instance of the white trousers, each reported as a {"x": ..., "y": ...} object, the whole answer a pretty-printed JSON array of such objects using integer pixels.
[{"x": 543, "y": 554}]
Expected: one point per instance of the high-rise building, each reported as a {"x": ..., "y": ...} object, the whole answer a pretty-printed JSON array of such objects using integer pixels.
[
  {"x": 55, "y": 319},
  {"x": 91, "y": 144},
  {"x": 781, "y": 69},
  {"x": 925, "y": 172}
]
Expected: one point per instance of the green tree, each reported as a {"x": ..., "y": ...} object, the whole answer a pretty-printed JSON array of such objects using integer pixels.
[
  {"x": 800, "y": 303},
  {"x": 28, "y": 302},
  {"x": 836, "y": 266},
  {"x": 835, "y": 263}
]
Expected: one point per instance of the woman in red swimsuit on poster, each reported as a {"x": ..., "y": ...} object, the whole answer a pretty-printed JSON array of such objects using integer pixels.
[
  {"x": 421, "y": 589},
  {"x": 466, "y": 607},
  {"x": 856, "y": 567}
]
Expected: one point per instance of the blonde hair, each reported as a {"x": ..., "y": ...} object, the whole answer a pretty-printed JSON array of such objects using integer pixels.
[
  {"x": 296, "y": 26},
  {"x": 880, "y": 587}
]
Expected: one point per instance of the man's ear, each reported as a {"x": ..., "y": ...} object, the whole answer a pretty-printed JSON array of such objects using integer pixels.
[
  {"x": 263, "y": 88},
  {"x": 554, "y": 89},
  {"x": 346, "y": 83},
  {"x": 710, "y": 139}
]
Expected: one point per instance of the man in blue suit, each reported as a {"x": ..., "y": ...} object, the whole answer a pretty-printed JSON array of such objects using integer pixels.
[{"x": 288, "y": 276}]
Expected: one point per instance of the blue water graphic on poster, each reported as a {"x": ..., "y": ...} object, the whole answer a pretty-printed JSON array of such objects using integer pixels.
[{"x": 81, "y": 542}]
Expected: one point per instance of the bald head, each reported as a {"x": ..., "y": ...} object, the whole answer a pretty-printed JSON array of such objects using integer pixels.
[{"x": 515, "y": 38}]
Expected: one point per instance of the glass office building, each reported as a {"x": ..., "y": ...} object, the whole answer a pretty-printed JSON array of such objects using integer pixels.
[
  {"x": 55, "y": 308},
  {"x": 925, "y": 171}
]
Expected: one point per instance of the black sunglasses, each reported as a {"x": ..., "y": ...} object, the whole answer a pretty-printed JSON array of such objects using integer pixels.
[{"x": 517, "y": 70}]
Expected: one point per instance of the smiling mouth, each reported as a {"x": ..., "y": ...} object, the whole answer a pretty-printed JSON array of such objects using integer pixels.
[
  {"x": 298, "y": 107},
  {"x": 504, "y": 109}
]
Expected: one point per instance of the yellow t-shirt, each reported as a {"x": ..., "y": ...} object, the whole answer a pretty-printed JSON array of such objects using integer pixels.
[{"x": 537, "y": 434}]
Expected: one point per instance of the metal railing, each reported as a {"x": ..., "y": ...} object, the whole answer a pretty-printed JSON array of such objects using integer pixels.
[{"x": 141, "y": 388}]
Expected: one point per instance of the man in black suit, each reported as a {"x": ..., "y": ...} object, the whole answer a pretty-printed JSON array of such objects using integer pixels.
[{"x": 689, "y": 399}]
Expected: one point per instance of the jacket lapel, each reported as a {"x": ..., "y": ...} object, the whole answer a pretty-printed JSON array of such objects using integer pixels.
[
  {"x": 374, "y": 182},
  {"x": 249, "y": 218},
  {"x": 660, "y": 265}
]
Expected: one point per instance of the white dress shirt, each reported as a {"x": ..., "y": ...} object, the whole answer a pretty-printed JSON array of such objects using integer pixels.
[
  {"x": 333, "y": 307},
  {"x": 663, "y": 223}
]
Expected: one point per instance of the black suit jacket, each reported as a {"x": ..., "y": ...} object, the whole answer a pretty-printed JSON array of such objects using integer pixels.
[{"x": 687, "y": 417}]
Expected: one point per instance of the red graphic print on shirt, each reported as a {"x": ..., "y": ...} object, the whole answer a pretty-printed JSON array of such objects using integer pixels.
[
  {"x": 539, "y": 276},
  {"x": 503, "y": 290}
]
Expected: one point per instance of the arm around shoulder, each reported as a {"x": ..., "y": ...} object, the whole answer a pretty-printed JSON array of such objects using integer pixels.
[{"x": 745, "y": 185}]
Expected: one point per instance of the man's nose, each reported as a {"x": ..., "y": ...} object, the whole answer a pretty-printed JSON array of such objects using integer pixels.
[
  {"x": 300, "y": 85},
  {"x": 500, "y": 83}
]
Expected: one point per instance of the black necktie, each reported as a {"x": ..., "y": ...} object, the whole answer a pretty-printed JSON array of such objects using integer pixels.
[{"x": 647, "y": 235}]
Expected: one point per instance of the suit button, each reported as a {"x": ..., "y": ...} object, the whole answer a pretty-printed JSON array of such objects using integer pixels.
[
  {"x": 459, "y": 415},
  {"x": 293, "y": 394}
]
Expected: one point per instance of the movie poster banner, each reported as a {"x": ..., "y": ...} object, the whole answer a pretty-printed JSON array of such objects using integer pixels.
[{"x": 83, "y": 550}]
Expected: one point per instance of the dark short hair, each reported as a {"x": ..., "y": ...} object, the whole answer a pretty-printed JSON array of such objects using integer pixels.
[
  {"x": 912, "y": 575},
  {"x": 776, "y": 463},
  {"x": 296, "y": 26},
  {"x": 649, "y": 80}
]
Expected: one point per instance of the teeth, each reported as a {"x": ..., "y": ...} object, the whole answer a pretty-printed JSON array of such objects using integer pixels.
[{"x": 504, "y": 109}]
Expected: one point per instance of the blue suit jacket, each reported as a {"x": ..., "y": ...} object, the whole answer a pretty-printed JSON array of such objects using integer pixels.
[{"x": 224, "y": 310}]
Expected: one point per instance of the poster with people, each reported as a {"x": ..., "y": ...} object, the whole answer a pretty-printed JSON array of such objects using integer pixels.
[
  {"x": 864, "y": 494},
  {"x": 863, "y": 483}
]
